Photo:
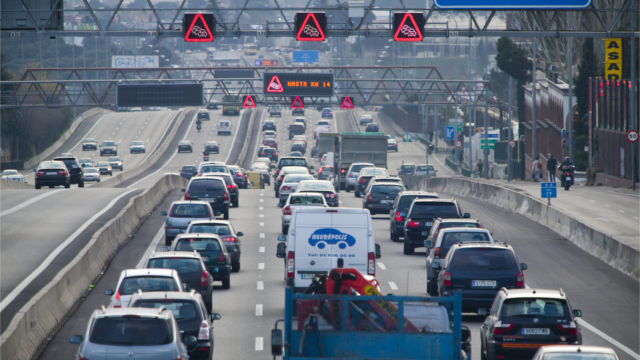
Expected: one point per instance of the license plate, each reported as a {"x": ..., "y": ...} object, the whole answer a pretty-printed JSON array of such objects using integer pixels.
[
  {"x": 307, "y": 276},
  {"x": 205, "y": 258},
  {"x": 568, "y": 178},
  {"x": 535, "y": 331},
  {"x": 52, "y": 173},
  {"x": 386, "y": 201},
  {"x": 428, "y": 223},
  {"x": 485, "y": 283},
  {"x": 211, "y": 200}
]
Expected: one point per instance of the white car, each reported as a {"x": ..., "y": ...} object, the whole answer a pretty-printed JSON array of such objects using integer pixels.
[
  {"x": 353, "y": 172},
  {"x": 366, "y": 119},
  {"x": 224, "y": 127},
  {"x": 297, "y": 201},
  {"x": 12, "y": 175},
  {"x": 137, "y": 147},
  {"x": 290, "y": 184},
  {"x": 426, "y": 170},
  {"x": 132, "y": 280},
  {"x": 91, "y": 174}
]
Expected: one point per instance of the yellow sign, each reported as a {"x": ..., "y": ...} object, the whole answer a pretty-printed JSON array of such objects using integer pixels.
[{"x": 613, "y": 59}]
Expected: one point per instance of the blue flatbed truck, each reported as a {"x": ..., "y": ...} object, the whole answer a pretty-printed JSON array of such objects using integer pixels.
[{"x": 317, "y": 339}]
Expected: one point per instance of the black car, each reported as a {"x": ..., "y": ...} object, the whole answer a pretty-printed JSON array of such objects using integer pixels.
[
  {"x": 108, "y": 148},
  {"x": 372, "y": 128},
  {"x": 203, "y": 115},
  {"x": 298, "y": 111},
  {"x": 407, "y": 169},
  {"x": 212, "y": 190},
  {"x": 212, "y": 106},
  {"x": 89, "y": 144},
  {"x": 365, "y": 175},
  {"x": 52, "y": 173},
  {"x": 214, "y": 254},
  {"x": 239, "y": 176},
  {"x": 232, "y": 187},
  {"x": 298, "y": 146},
  {"x": 271, "y": 153},
  {"x": 188, "y": 171},
  {"x": 421, "y": 216},
  {"x": 275, "y": 111},
  {"x": 400, "y": 209},
  {"x": 230, "y": 238},
  {"x": 523, "y": 320},
  {"x": 477, "y": 271},
  {"x": 212, "y": 147},
  {"x": 296, "y": 129},
  {"x": 380, "y": 197},
  {"x": 76, "y": 174},
  {"x": 193, "y": 316},
  {"x": 269, "y": 125},
  {"x": 185, "y": 146}
]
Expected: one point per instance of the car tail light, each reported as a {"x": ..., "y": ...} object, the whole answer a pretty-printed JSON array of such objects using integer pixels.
[
  {"x": 500, "y": 328},
  {"x": 80, "y": 357},
  {"x": 277, "y": 172},
  {"x": 447, "y": 278},
  {"x": 187, "y": 195},
  {"x": 398, "y": 217},
  {"x": 264, "y": 154},
  {"x": 40, "y": 173},
  {"x": 568, "y": 174},
  {"x": 350, "y": 174},
  {"x": 569, "y": 329},
  {"x": 245, "y": 176},
  {"x": 342, "y": 171},
  {"x": 330, "y": 195},
  {"x": 285, "y": 188},
  {"x": 117, "y": 302},
  {"x": 362, "y": 180},
  {"x": 183, "y": 173},
  {"x": 62, "y": 172},
  {"x": 319, "y": 171},
  {"x": 225, "y": 197},
  {"x": 203, "y": 334},
  {"x": 204, "y": 279},
  {"x": 291, "y": 261},
  {"x": 275, "y": 154},
  {"x": 287, "y": 210},
  {"x": 371, "y": 264},
  {"x": 281, "y": 178},
  {"x": 229, "y": 238},
  {"x": 231, "y": 187},
  {"x": 222, "y": 257},
  {"x": 480, "y": 226},
  {"x": 520, "y": 280},
  {"x": 239, "y": 174},
  {"x": 412, "y": 224},
  {"x": 369, "y": 198},
  {"x": 436, "y": 253}
]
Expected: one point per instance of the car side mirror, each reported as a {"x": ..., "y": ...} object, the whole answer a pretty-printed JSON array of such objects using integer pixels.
[
  {"x": 435, "y": 266},
  {"x": 190, "y": 342},
  {"x": 277, "y": 342},
  {"x": 279, "y": 205},
  {"x": 163, "y": 213},
  {"x": 215, "y": 316},
  {"x": 282, "y": 237},
  {"x": 76, "y": 339},
  {"x": 467, "y": 215},
  {"x": 240, "y": 233},
  {"x": 427, "y": 243},
  {"x": 183, "y": 190},
  {"x": 378, "y": 253},
  {"x": 576, "y": 313},
  {"x": 523, "y": 266},
  {"x": 108, "y": 292},
  {"x": 164, "y": 249},
  {"x": 281, "y": 250}
]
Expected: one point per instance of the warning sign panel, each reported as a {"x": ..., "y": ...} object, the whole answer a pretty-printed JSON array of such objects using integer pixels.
[
  {"x": 408, "y": 26},
  {"x": 198, "y": 27},
  {"x": 275, "y": 86},
  {"x": 297, "y": 103},
  {"x": 346, "y": 103},
  {"x": 311, "y": 26},
  {"x": 248, "y": 102}
]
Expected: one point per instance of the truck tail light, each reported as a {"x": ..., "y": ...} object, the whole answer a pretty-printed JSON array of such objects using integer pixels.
[
  {"x": 369, "y": 198},
  {"x": 203, "y": 334},
  {"x": 287, "y": 210},
  {"x": 500, "y": 328},
  {"x": 569, "y": 329},
  {"x": 371, "y": 264},
  {"x": 291, "y": 261},
  {"x": 447, "y": 278},
  {"x": 520, "y": 280},
  {"x": 117, "y": 302},
  {"x": 225, "y": 197},
  {"x": 204, "y": 279},
  {"x": 187, "y": 195},
  {"x": 412, "y": 224}
]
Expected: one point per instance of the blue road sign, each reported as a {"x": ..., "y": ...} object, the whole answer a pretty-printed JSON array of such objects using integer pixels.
[
  {"x": 564, "y": 133},
  {"x": 512, "y": 4},
  {"x": 450, "y": 133},
  {"x": 307, "y": 56},
  {"x": 548, "y": 190}
]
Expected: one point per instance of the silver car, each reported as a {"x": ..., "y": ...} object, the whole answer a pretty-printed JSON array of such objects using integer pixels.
[
  {"x": 116, "y": 163},
  {"x": 91, "y": 174},
  {"x": 425, "y": 170},
  {"x": 134, "y": 280},
  {"x": 180, "y": 214},
  {"x": 290, "y": 184},
  {"x": 299, "y": 200},
  {"x": 144, "y": 332},
  {"x": 137, "y": 147},
  {"x": 12, "y": 175}
]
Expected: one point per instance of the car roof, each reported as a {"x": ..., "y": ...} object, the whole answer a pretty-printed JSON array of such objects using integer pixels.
[
  {"x": 60, "y": 158},
  {"x": 307, "y": 193},
  {"x": 212, "y": 142},
  {"x": 577, "y": 348},
  {"x": 143, "y": 312},
  {"x": 417, "y": 192},
  {"x": 316, "y": 182},
  {"x": 527, "y": 293},
  {"x": 438, "y": 200},
  {"x": 411, "y": 164},
  {"x": 213, "y": 221},
  {"x": 180, "y": 202},
  {"x": 152, "y": 295},
  {"x": 459, "y": 220},
  {"x": 203, "y": 178},
  {"x": 362, "y": 164},
  {"x": 482, "y": 245},
  {"x": 153, "y": 272},
  {"x": 176, "y": 254},
  {"x": 463, "y": 229}
]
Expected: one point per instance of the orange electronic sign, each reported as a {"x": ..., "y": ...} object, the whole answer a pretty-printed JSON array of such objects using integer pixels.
[
  {"x": 408, "y": 26},
  {"x": 198, "y": 27},
  {"x": 311, "y": 26},
  {"x": 346, "y": 102},
  {"x": 248, "y": 102}
]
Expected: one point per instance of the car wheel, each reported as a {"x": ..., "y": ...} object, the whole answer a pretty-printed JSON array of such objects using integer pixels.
[
  {"x": 408, "y": 248},
  {"x": 357, "y": 193},
  {"x": 116, "y": 154},
  {"x": 226, "y": 283},
  {"x": 81, "y": 184},
  {"x": 235, "y": 267},
  {"x": 395, "y": 237},
  {"x": 432, "y": 289},
  {"x": 168, "y": 240},
  {"x": 482, "y": 355},
  {"x": 101, "y": 154},
  {"x": 285, "y": 229},
  {"x": 236, "y": 203},
  {"x": 226, "y": 215},
  {"x": 98, "y": 180},
  {"x": 37, "y": 187},
  {"x": 66, "y": 186},
  {"x": 277, "y": 193},
  {"x": 110, "y": 173}
]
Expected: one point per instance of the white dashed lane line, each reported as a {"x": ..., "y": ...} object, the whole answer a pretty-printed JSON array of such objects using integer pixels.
[
  {"x": 259, "y": 343},
  {"x": 258, "y": 309},
  {"x": 261, "y": 235},
  {"x": 260, "y": 266},
  {"x": 260, "y": 285},
  {"x": 261, "y": 215},
  {"x": 393, "y": 285},
  {"x": 261, "y": 200},
  {"x": 261, "y": 224},
  {"x": 381, "y": 266},
  {"x": 261, "y": 249},
  {"x": 261, "y": 208}
]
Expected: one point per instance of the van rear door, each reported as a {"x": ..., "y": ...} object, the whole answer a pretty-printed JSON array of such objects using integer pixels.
[{"x": 357, "y": 226}]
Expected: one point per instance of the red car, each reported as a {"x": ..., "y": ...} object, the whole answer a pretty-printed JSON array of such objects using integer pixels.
[{"x": 271, "y": 143}]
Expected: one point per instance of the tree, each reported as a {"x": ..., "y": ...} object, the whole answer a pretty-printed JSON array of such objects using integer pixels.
[
  {"x": 514, "y": 61},
  {"x": 581, "y": 85}
]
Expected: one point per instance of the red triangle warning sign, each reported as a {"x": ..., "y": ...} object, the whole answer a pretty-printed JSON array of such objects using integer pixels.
[
  {"x": 310, "y": 29},
  {"x": 347, "y": 103},
  {"x": 198, "y": 30},
  {"x": 248, "y": 102},
  {"x": 408, "y": 29},
  {"x": 275, "y": 85},
  {"x": 297, "y": 103}
]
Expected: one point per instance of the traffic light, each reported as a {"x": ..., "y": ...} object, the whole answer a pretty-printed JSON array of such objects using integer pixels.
[
  {"x": 198, "y": 27},
  {"x": 311, "y": 26},
  {"x": 408, "y": 26}
]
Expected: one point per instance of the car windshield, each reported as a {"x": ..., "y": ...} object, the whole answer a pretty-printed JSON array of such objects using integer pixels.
[
  {"x": 181, "y": 265},
  {"x": 10, "y": 172},
  {"x": 84, "y": 160},
  {"x": 199, "y": 244},
  {"x": 315, "y": 187},
  {"x": 578, "y": 356},
  {"x": 213, "y": 169},
  {"x": 212, "y": 143},
  {"x": 183, "y": 310},
  {"x": 306, "y": 200},
  {"x": 389, "y": 190},
  {"x": 535, "y": 307},
  {"x": 374, "y": 172},
  {"x": 357, "y": 168},
  {"x": 108, "y": 143},
  {"x": 131, "y": 331},
  {"x": 296, "y": 178},
  {"x": 207, "y": 185},
  {"x": 91, "y": 171},
  {"x": 483, "y": 259},
  {"x": 189, "y": 210},
  {"x": 89, "y": 141},
  {"x": 443, "y": 210},
  {"x": 405, "y": 201},
  {"x": 132, "y": 284}
]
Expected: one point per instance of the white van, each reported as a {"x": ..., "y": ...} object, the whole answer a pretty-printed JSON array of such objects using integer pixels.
[
  {"x": 321, "y": 239},
  {"x": 224, "y": 127}
]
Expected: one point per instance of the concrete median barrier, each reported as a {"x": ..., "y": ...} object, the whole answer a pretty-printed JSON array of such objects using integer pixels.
[
  {"x": 12, "y": 184},
  {"x": 41, "y": 316},
  {"x": 596, "y": 243},
  {"x": 247, "y": 140}
]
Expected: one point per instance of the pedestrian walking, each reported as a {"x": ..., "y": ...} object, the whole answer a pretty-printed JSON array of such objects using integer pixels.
[
  {"x": 551, "y": 168},
  {"x": 536, "y": 169},
  {"x": 480, "y": 166}
]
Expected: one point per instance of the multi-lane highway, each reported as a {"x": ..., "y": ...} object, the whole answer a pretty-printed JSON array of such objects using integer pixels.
[{"x": 609, "y": 300}]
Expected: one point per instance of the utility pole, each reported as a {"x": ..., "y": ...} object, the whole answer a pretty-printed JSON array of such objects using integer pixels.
[
  {"x": 533, "y": 102},
  {"x": 510, "y": 136},
  {"x": 632, "y": 102},
  {"x": 570, "y": 65}
]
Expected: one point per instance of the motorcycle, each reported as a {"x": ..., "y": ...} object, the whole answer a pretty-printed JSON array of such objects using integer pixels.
[
  {"x": 567, "y": 177},
  {"x": 205, "y": 156},
  {"x": 198, "y": 126}
]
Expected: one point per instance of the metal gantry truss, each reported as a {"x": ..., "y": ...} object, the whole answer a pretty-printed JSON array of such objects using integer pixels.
[
  {"x": 368, "y": 85},
  {"x": 276, "y": 19}
]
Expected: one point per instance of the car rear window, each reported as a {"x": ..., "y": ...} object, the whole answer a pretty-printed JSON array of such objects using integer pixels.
[
  {"x": 424, "y": 168},
  {"x": 198, "y": 244},
  {"x": 130, "y": 285},
  {"x": 309, "y": 200},
  {"x": 374, "y": 172},
  {"x": 269, "y": 151},
  {"x": 443, "y": 210},
  {"x": 51, "y": 165},
  {"x": 405, "y": 201},
  {"x": 450, "y": 239},
  {"x": 189, "y": 210},
  {"x": 293, "y": 162},
  {"x": 213, "y": 168},
  {"x": 188, "y": 168},
  {"x": 10, "y": 172},
  {"x": 535, "y": 307},
  {"x": 407, "y": 167},
  {"x": 315, "y": 187},
  {"x": 483, "y": 259},
  {"x": 70, "y": 163},
  {"x": 220, "y": 229},
  {"x": 444, "y": 225},
  {"x": 392, "y": 190},
  {"x": 131, "y": 331},
  {"x": 297, "y": 178},
  {"x": 183, "y": 310},
  {"x": 226, "y": 177},
  {"x": 181, "y": 265},
  {"x": 295, "y": 126},
  {"x": 357, "y": 168}
]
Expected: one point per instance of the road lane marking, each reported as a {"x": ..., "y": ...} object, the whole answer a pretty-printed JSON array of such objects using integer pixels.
[
  {"x": 88, "y": 132},
  {"x": 261, "y": 200},
  {"x": 260, "y": 266},
  {"x": 393, "y": 285},
  {"x": 258, "y": 309},
  {"x": 261, "y": 224},
  {"x": 381, "y": 266},
  {"x": 262, "y": 208},
  {"x": 621, "y": 211},
  {"x": 29, "y": 202},
  {"x": 52, "y": 256},
  {"x": 261, "y": 235},
  {"x": 608, "y": 338},
  {"x": 260, "y": 285},
  {"x": 161, "y": 137},
  {"x": 261, "y": 215},
  {"x": 261, "y": 249},
  {"x": 259, "y": 343},
  {"x": 261, "y": 194}
]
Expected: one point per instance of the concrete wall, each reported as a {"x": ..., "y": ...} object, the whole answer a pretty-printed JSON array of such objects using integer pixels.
[
  {"x": 39, "y": 317},
  {"x": 12, "y": 184},
  {"x": 604, "y": 247}
]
